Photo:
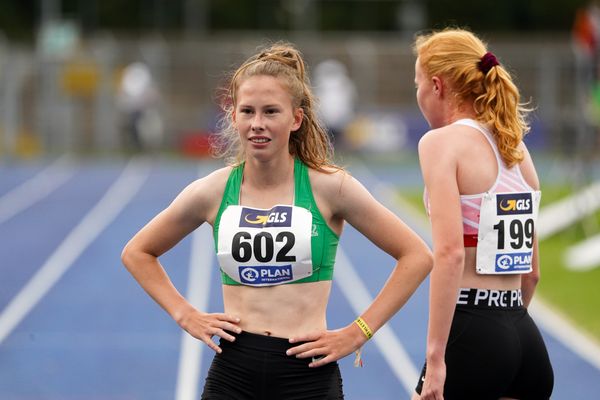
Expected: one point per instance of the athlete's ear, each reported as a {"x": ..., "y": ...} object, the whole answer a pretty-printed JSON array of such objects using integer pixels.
[
  {"x": 234, "y": 119},
  {"x": 437, "y": 85},
  {"x": 298, "y": 118}
]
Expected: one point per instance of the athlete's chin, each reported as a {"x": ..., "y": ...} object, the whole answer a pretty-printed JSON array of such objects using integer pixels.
[{"x": 259, "y": 154}]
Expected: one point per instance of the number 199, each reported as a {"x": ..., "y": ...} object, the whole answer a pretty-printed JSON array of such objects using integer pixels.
[{"x": 519, "y": 232}]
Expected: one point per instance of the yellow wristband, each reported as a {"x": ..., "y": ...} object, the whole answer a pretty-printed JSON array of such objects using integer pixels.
[{"x": 364, "y": 327}]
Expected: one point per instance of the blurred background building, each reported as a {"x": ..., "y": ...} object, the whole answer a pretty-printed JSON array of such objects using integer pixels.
[{"x": 62, "y": 63}]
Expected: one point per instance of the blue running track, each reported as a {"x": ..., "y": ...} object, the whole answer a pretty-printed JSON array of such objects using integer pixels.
[{"x": 75, "y": 325}]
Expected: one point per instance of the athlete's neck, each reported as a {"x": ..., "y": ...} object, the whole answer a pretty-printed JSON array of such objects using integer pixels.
[
  {"x": 268, "y": 174},
  {"x": 459, "y": 113}
]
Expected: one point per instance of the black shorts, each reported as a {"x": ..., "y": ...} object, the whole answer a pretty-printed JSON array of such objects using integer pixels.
[
  {"x": 256, "y": 367},
  {"x": 494, "y": 350}
]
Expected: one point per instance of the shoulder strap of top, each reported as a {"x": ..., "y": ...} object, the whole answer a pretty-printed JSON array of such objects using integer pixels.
[
  {"x": 302, "y": 189},
  {"x": 303, "y": 194},
  {"x": 501, "y": 166},
  {"x": 486, "y": 133},
  {"x": 234, "y": 185},
  {"x": 231, "y": 195}
]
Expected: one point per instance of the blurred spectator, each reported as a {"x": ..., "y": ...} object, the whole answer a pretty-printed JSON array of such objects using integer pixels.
[
  {"x": 586, "y": 29},
  {"x": 138, "y": 101},
  {"x": 586, "y": 45},
  {"x": 337, "y": 97}
]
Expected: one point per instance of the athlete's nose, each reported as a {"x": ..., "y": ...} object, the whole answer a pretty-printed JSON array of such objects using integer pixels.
[{"x": 257, "y": 123}]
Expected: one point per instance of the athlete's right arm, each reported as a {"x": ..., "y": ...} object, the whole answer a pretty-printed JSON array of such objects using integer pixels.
[
  {"x": 438, "y": 156},
  {"x": 196, "y": 204}
]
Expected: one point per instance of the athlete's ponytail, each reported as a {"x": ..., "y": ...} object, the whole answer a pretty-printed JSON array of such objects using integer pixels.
[{"x": 498, "y": 107}]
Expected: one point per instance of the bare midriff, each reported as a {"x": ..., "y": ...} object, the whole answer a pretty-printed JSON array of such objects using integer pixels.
[{"x": 280, "y": 311}]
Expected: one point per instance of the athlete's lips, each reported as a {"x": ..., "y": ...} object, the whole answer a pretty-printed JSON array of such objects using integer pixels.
[{"x": 259, "y": 139}]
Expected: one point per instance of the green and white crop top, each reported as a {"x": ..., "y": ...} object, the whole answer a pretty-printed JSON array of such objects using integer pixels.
[{"x": 280, "y": 245}]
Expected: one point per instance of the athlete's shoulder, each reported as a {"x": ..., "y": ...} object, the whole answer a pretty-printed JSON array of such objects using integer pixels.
[
  {"x": 214, "y": 179},
  {"x": 447, "y": 134},
  {"x": 327, "y": 176},
  {"x": 210, "y": 187},
  {"x": 445, "y": 142},
  {"x": 201, "y": 198},
  {"x": 335, "y": 187}
]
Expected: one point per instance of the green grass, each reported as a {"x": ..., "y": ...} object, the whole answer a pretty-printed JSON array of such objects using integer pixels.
[{"x": 574, "y": 294}]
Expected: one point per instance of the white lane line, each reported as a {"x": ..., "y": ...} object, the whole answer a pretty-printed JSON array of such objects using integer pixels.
[
  {"x": 563, "y": 213},
  {"x": 583, "y": 256},
  {"x": 103, "y": 213},
  {"x": 35, "y": 188},
  {"x": 551, "y": 321},
  {"x": 387, "y": 342},
  {"x": 197, "y": 294},
  {"x": 572, "y": 338}
]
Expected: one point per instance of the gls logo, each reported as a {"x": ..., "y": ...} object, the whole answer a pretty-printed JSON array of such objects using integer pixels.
[
  {"x": 279, "y": 216},
  {"x": 514, "y": 203}
]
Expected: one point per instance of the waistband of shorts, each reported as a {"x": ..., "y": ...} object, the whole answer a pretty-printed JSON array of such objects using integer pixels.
[
  {"x": 261, "y": 342},
  {"x": 490, "y": 298}
]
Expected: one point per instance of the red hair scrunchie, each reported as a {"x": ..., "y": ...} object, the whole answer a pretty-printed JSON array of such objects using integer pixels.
[{"x": 487, "y": 62}]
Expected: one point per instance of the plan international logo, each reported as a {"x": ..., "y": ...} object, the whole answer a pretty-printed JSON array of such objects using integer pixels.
[
  {"x": 278, "y": 216},
  {"x": 514, "y": 203},
  {"x": 513, "y": 262},
  {"x": 255, "y": 275}
]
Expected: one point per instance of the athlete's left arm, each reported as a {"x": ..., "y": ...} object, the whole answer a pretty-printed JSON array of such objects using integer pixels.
[
  {"x": 387, "y": 231},
  {"x": 529, "y": 281},
  {"x": 350, "y": 200}
]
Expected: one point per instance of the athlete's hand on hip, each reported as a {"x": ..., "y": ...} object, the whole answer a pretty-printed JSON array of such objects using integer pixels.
[
  {"x": 203, "y": 326},
  {"x": 327, "y": 346}
]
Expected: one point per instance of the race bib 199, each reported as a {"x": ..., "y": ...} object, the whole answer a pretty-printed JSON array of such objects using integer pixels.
[
  {"x": 263, "y": 247},
  {"x": 506, "y": 232}
]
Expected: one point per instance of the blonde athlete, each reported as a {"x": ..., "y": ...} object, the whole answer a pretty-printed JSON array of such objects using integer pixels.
[
  {"x": 482, "y": 196},
  {"x": 277, "y": 212}
]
